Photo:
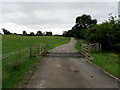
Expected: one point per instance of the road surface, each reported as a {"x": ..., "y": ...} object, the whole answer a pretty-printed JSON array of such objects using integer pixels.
[{"x": 64, "y": 68}]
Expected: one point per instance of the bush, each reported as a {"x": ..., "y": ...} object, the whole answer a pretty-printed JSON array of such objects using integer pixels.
[{"x": 107, "y": 33}]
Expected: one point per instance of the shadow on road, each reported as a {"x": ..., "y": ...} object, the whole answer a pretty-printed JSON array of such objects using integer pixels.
[{"x": 65, "y": 55}]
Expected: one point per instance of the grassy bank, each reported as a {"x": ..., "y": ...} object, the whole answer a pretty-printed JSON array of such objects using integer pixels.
[
  {"x": 12, "y": 43},
  {"x": 108, "y": 61}
]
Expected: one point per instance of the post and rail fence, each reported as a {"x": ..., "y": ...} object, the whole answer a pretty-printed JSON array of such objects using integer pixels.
[
  {"x": 86, "y": 49},
  {"x": 37, "y": 50},
  {"x": 13, "y": 60}
]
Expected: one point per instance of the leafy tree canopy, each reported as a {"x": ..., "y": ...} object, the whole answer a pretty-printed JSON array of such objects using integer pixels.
[{"x": 84, "y": 21}]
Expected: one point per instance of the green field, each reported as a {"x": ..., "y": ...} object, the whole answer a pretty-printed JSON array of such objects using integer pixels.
[
  {"x": 11, "y": 44},
  {"x": 108, "y": 61}
]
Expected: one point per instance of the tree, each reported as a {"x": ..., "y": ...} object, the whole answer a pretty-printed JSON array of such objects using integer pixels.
[
  {"x": 32, "y": 34},
  {"x": 6, "y": 31},
  {"x": 44, "y": 33},
  {"x": 64, "y": 33},
  {"x": 39, "y": 33},
  {"x": 49, "y": 34},
  {"x": 69, "y": 33},
  {"x": 107, "y": 33},
  {"x": 24, "y": 33},
  {"x": 84, "y": 21}
]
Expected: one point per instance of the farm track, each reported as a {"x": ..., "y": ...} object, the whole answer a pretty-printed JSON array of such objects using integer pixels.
[{"x": 64, "y": 68}]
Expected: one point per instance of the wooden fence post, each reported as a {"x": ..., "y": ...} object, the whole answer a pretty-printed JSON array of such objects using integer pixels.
[
  {"x": 38, "y": 51},
  {"x": 44, "y": 50},
  {"x": 30, "y": 51},
  {"x": 97, "y": 47},
  {"x": 16, "y": 64},
  {"x": 86, "y": 49},
  {"x": 19, "y": 58},
  {"x": 41, "y": 49}
]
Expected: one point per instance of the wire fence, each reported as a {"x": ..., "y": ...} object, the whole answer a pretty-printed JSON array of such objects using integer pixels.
[{"x": 13, "y": 60}]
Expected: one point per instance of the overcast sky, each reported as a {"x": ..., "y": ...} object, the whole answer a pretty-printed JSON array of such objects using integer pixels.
[{"x": 51, "y": 16}]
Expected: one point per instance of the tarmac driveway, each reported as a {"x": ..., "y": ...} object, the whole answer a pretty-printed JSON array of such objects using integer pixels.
[{"x": 64, "y": 68}]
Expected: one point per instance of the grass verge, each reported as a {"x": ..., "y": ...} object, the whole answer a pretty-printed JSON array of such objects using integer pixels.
[
  {"x": 11, "y": 79},
  {"x": 109, "y": 61},
  {"x": 12, "y": 43}
]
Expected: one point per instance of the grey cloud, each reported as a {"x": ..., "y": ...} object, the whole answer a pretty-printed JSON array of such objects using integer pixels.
[
  {"x": 48, "y": 12},
  {"x": 53, "y": 14}
]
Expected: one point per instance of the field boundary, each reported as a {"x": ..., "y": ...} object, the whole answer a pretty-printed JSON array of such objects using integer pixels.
[
  {"x": 37, "y": 50},
  {"x": 86, "y": 49},
  {"x": 12, "y": 53},
  {"x": 20, "y": 55}
]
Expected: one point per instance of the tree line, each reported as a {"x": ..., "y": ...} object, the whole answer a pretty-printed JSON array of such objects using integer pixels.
[
  {"x": 39, "y": 33},
  {"x": 107, "y": 33}
]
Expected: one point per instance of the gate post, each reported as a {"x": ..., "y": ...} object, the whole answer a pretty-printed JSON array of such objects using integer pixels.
[{"x": 30, "y": 51}]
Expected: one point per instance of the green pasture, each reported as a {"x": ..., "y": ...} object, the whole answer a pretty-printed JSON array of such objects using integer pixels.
[{"x": 11, "y": 43}]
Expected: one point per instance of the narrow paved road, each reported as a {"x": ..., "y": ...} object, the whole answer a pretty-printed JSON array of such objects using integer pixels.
[{"x": 64, "y": 68}]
